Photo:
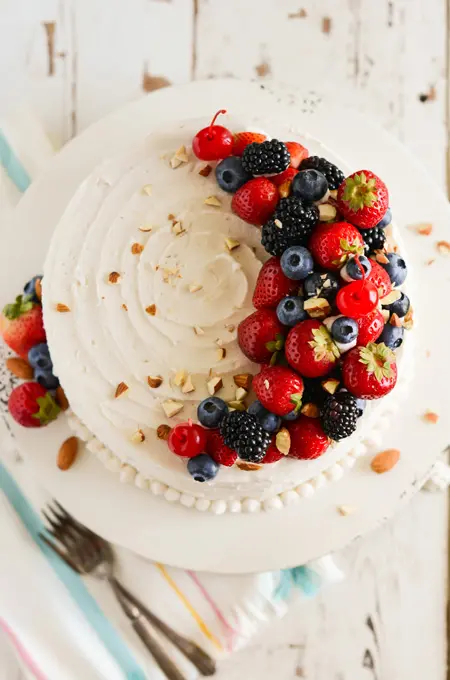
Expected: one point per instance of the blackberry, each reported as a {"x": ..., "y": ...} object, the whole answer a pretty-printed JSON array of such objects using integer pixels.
[
  {"x": 333, "y": 175},
  {"x": 374, "y": 239},
  {"x": 297, "y": 221},
  {"x": 339, "y": 415},
  {"x": 267, "y": 158},
  {"x": 242, "y": 432}
]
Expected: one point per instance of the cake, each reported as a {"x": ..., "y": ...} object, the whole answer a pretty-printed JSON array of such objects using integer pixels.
[{"x": 183, "y": 287}]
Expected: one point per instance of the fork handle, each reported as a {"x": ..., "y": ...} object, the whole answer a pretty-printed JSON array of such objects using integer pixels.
[{"x": 164, "y": 662}]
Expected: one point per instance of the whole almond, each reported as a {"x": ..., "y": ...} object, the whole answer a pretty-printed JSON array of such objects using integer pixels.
[
  {"x": 61, "y": 399},
  {"x": 67, "y": 453},
  {"x": 385, "y": 461},
  {"x": 20, "y": 368}
]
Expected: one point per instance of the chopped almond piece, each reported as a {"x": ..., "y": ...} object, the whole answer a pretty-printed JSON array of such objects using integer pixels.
[
  {"x": 249, "y": 467},
  {"x": 195, "y": 287},
  {"x": 180, "y": 156},
  {"x": 147, "y": 189},
  {"x": 198, "y": 330},
  {"x": 214, "y": 385},
  {"x": 38, "y": 289},
  {"x": 171, "y": 407},
  {"x": 163, "y": 432},
  {"x": 283, "y": 441},
  {"x": 125, "y": 307},
  {"x": 213, "y": 200},
  {"x": 431, "y": 417},
  {"x": 396, "y": 321},
  {"x": 243, "y": 380},
  {"x": 138, "y": 437},
  {"x": 424, "y": 229},
  {"x": 151, "y": 309},
  {"x": 381, "y": 257},
  {"x": 310, "y": 410},
  {"x": 346, "y": 510},
  {"x": 188, "y": 386},
  {"x": 137, "y": 248},
  {"x": 221, "y": 353},
  {"x": 236, "y": 405},
  {"x": 205, "y": 171},
  {"x": 232, "y": 244},
  {"x": 241, "y": 394},
  {"x": 120, "y": 389},
  {"x": 443, "y": 247},
  {"x": 114, "y": 277},
  {"x": 330, "y": 385},
  {"x": 179, "y": 378},
  {"x": 145, "y": 229},
  {"x": 60, "y": 307},
  {"x": 154, "y": 381}
]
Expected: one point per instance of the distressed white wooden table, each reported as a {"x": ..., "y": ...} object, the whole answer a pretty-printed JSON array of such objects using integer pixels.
[{"x": 73, "y": 61}]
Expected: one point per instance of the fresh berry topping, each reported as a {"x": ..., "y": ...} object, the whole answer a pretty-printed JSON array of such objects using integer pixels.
[
  {"x": 310, "y": 185},
  {"x": 231, "y": 175},
  {"x": 46, "y": 379},
  {"x": 187, "y": 439},
  {"x": 396, "y": 268},
  {"x": 267, "y": 158},
  {"x": 255, "y": 201},
  {"x": 314, "y": 392},
  {"x": 272, "y": 285},
  {"x": 32, "y": 406},
  {"x": 242, "y": 433},
  {"x": 332, "y": 244},
  {"x": 30, "y": 288},
  {"x": 202, "y": 468},
  {"x": 292, "y": 415},
  {"x": 243, "y": 139},
  {"x": 374, "y": 239},
  {"x": 297, "y": 152},
  {"x": 392, "y": 336},
  {"x": 380, "y": 279},
  {"x": 285, "y": 176},
  {"x": 279, "y": 389},
  {"x": 321, "y": 284},
  {"x": 39, "y": 357},
  {"x": 357, "y": 298},
  {"x": 344, "y": 330},
  {"x": 363, "y": 199},
  {"x": 339, "y": 415},
  {"x": 370, "y": 327},
  {"x": 257, "y": 333},
  {"x": 217, "y": 449},
  {"x": 333, "y": 175},
  {"x": 297, "y": 263},
  {"x": 273, "y": 455},
  {"x": 400, "y": 306},
  {"x": 211, "y": 412},
  {"x": 369, "y": 372},
  {"x": 21, "y": 326},
  {"x": 310, "y": 349},
  {"x": 270, "y": 422},
  {"x": 213, "y": 142},
  {"x": 356, "y": 269},
  {"x": 290, "y": 310},
  {"x": 308, "y": 440},
  {"x": 386, "y": 220},
  {"x": 291, "y": 225}
]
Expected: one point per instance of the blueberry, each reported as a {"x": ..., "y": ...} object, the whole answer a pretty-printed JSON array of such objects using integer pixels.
[
  {"x": 293, "y": 415},
  {"x": 269, "y": 421},
  {"x": 392, "y": 336},
  {"x": 387, "y": 219},
  {"x": 39, "y": 357},
  {"x": 46, "y": 379},
  {"x": 297, "y": 263},
  {"x": 211, "y": 411},
  {"x": 344, "y": 329},
  {"x": 310, "y": 185},
  {"x": 230, "y": 174},
  {"x": 290, "y": 311},
  {"x": 396, "y": 268},
  {"x": 321, "y": 285},
  {"x": 202, "y": 468},
  {"x": 400, "y": 306},
  {"x": 30, "y": 288},
  {"x": 352, "y": 271}
]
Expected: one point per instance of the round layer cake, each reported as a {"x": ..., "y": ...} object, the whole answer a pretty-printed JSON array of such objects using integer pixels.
[{"x": 148, "y": 277}]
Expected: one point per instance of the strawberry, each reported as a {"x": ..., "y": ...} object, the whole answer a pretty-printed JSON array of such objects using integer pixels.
[
  {"x": 380, "y": 279},
  {"x": 243, "y": 139},
  {"x": 272, "y": 285},
  {"x": 370, "y": 327},
  {"x": 285, "y": 176},
  {"x": 279, "y": 389},
  {"x": 21, "y": 325},
  {"x": 255, "y": 201},
  {"x": 260, "y": 335},
  {"x": 363, "y": 199},
  {"x": 298, "y": 153},
  {"x": 332, "y": 244},
  {"x": 32, "y": 406},
  {"x": 370, "y": 372},
  {"x": 310, "y": 349},
  {"x": 308, "y": 440},
  {"x": 218, "y": 451},
  {"x": 272, "y": 455}
]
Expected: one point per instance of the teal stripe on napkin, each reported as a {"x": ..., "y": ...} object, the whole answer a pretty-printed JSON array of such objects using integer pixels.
[
  {"x": 12, "y": 165},
  {"x": 74, "y": 584}
]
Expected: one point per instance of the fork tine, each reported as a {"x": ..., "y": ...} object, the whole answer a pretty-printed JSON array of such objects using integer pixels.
[
  {"x": 60, "y": 553},
  {"x": 55, "y": 525},
  {"x": 74, "y": 522}
]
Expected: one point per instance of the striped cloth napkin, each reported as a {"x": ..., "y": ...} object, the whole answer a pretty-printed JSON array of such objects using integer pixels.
[{"x": 64, "y": 627}]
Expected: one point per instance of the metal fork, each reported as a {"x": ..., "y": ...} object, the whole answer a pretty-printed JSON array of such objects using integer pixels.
[{"x": 87, "y": 553}]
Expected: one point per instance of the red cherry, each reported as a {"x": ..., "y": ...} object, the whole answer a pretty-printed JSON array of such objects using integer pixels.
[
  {"x": 213, "y": 142},
  {"x": 357, "y": 298},
  {"x": 187, "y": 439}
]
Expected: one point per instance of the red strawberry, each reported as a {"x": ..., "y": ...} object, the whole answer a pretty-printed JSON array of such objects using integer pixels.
[
  {"x": 272, "y": 455},
  {"x": 298, "y": 153},
  {"x": 218, "y": 450},
  {"x": 308, "y": 440},
  {"x": 256, "y": 200},
  {"x": 32, "y": 406},
  {"x": 332, "y": 244},
  {"x": 259, "y": 335},
  {"x": 285, "y": 176},
  {"x": 272, "y": 285},
  {"x": 380, "y": 279},
  {"x": 243, "y": 139},
  {"x": 279, "y": 389},
  {"x": 370, "y": 327},
  {"x": 310, "y": 349},
  {"x": 370, "y": 372},
  {"x": 363, "y": 199},
  {"x": 21, "y": 325}
]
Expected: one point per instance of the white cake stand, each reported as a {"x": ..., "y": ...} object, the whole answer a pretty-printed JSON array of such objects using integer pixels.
[{"x": 283, "y": 538}]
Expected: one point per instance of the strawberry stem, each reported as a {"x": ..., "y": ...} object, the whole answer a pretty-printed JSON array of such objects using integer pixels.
[{"x": 210, "y": 135}]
